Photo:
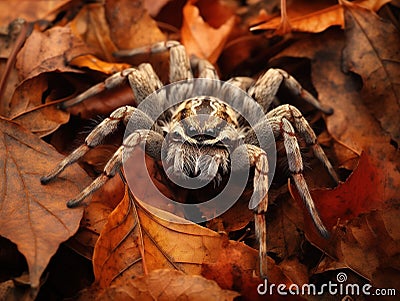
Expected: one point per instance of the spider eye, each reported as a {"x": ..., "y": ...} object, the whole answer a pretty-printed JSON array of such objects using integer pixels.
[
  {"x": 175, "y": 135},
  {"x": 211, "y": 132},
  {"x": 191, "y": 131}
]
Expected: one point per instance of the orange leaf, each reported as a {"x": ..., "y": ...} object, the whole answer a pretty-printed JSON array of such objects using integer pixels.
[
  {"x": 361, "y": 193},
  {"x": 198, "y": 36},
  {"x": 135, "y": 241},
  {"x": 167, "y": 285},
  {"x": 306, "y": 16},
  {"x": 34, "y": 216}
]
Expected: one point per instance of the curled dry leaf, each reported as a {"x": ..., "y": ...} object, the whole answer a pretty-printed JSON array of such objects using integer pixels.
[
  {"x": 201, "y": 38},
  {"x": 47, "y": 51},
  {"x": 91, "y": 26},
  {"x": 26, "y": 106},
  {"x": 373, "y": 51},
  {"x": 34, "y": 216},
  {"x": 168, "y": 285}
]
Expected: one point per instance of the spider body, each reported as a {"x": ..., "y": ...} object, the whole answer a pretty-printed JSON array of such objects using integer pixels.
[
  {"x": 198, "y": 134},
  {"x": 199, "y": 137}
]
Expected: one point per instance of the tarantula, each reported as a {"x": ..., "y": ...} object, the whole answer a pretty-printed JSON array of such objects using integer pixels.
[{"x": 205, "y": 125}]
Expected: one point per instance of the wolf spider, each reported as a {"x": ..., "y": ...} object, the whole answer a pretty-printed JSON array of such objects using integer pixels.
[{"x": 188, "y": 138}]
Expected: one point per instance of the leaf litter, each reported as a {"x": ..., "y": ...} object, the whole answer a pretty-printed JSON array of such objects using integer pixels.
[{"x": 134, "y": 253}]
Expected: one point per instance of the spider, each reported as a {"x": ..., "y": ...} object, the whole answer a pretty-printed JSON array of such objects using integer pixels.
[{"x": 189, "y": 137}]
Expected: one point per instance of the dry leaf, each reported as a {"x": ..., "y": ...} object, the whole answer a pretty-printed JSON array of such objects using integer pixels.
[
  {"x": 11, "y": 40},
  {"x": 306, "y": 16},
  {"x": 93, "y": 63},
  {"x": 47, "y": 51},
  {"x": 91, "y": 26},
  {"x": 167, "y": 285},
  {"x": 34, "y": 216},
  {"x": 129, "y": 247},
  {"x": 370, "y": 245},
  {"x": 361, "y": 193},
  {"x": 373, "y": 51},
  {"x": 133, "y": 28},
  {"x": 11, "y": 10},
  {"x": 26, "y": 107},
  {"x": 342, "y": 92},
  {"x": 201, "y": 38}
]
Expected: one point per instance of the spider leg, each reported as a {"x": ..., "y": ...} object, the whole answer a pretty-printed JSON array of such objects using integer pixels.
[
  {"x": 266, "y": 87},
  {"x": 292, "y": 114},
  {"x": 241, "y": 82},
  {"x": 282, "y": 126},
  {"x": 179, "y": 62},
  {"x": 143, "y": 81},
  {"x": 257, "y": 157},
  {"x": 136, "y": 138},
  {"x": 105, "y": 128}
]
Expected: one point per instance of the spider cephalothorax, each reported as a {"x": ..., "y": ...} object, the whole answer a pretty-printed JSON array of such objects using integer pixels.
[
  {"x": 198, "y": 135},
  {"x": 204, "y": 137}
]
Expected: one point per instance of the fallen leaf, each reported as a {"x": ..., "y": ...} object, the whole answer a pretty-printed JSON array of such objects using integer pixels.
[
  {"x": 134, "y": 28},
  {"x": 367, "y": 54},
  {"x": 11, "y": 10},
  {"x": 342, "y": 92},
  {"x": 201, "y": 38},
  {"x": 11, "y": 40},
  {"x": 26, "y": 107},
  {"x": 166, "y": 285},
  {"x": 91, "y": 26},
  {"x": 154, "y": 7},
  {"x": 34, "y": 216},
  {"x": 47, "y": 51},
  {"x": 93, "y": 63},
  {"x": 361, "y": 193},
  {"x": 306, "y": 16},
  {"x": 370, "y": 245},
  {"x": 136, "y": 241}
]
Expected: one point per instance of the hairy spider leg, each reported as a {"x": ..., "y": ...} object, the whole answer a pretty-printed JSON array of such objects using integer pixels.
[
  {"x": 103, "y": 129},
  {"x": 114, "y": 164},
  {"x": 266, "y": 87},
  {"x": 257, "y": 158},
  {"x": 292, "y": 114}
]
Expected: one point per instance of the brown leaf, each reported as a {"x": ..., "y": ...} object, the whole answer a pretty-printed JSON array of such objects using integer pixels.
[
  {"x": 203, "y": 39},
  {"x": 47, "y": 51},
  {"x": 26, "y": 107},
  {"x": 129, "y": 247},
  {"x": 373, "y": 51},
  {"x": 133, "y": 28},
  {"x": 306, "y": 16},
  {"x": 93, "y": 63},
  {"x": 351, "y": 123},
  {"x": 11, "y": 10},
  {"x": 370, "y": 245},
  {"x": 91, "y": 26},
  {"x": 10, "y": 43},
  {"x": 361, "y": 193},
  {"x": 34, "y": 216},
  {"x": 166, "y": 285}
]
